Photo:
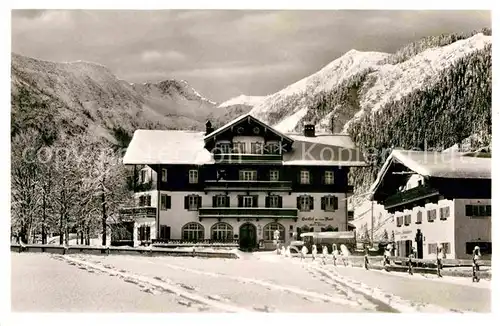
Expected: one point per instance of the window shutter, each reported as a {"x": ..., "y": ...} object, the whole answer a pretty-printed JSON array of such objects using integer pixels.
[
  {"x": 311, "y": 200},
  {"x": 335, "y": 202},
  {"x": 148, "y": 200},
  {"x": 255, "y": 201},
  {"x": 148, "y": 233},
  {"x": 168, "y": 202},
  {"x": 323, "y": 203},
  {"x": 468, "y": 210},
  {"x": 214, "y": 201},
  {"x": 488, "y": 210},
  {"x": 240, "y": 201},
  {"x": 227, "y": 201},
  {"x": 280, "y": 202},
  {"x": 199, "y": 201},
  {"x": 298, "y": 202},
  {"x": 267, "y": 201},
  {"x": 186, "y": 202}
]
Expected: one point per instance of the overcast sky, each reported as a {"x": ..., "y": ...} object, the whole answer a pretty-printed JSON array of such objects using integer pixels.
[{"x": 223, "y": 54}]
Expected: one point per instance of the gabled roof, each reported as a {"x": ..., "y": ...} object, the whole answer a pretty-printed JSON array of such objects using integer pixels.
[
  {"x": 451, "y": 164},
  {"x": 241, "y": 118},
  {"x": 167, "y": 147}
]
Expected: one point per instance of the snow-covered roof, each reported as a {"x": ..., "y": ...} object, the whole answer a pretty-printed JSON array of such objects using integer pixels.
[
  {"x": 323, "y": 151},
  {"x": 187, "y": 147},
  {"x": 167, "y": 147},
  {"x": 241, "y": 118},
  {"x": 451, "y": 164}
]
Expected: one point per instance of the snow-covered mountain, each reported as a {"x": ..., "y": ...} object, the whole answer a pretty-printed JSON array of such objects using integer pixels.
[
  {"x": 243, "y": 100},
  {"x": 363, "y": 82},
  {"x": 89, "y": 97}
]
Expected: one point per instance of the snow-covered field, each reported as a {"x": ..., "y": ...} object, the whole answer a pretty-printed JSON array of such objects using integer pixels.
[{"x": 258, "y": 282}]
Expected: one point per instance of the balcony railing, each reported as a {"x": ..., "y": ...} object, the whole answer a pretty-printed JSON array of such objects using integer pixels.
[
  {"x": 131, "y": 213},
  {"x": 240, "y": 158},
  {"x": 409, "y": 196},
  {"x": 247, "y": 185},
  {"x": 247, "y": 212}
]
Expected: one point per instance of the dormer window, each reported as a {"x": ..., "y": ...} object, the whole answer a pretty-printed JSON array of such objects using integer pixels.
[
  {"x": 257, "y": 147},
  {"x": 239, "y": 147}
]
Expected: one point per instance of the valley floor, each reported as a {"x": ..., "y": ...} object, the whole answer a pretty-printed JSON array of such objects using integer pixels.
[{"x": 258, "y": 282}]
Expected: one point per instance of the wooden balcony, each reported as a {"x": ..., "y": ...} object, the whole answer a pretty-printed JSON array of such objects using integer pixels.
[
  {"x": 238, "y": 158},
  {"x": 132, "y": 213},
  {"x": 409, "y": 196},
  {"x": 247, "y": 212},
  {"x": 241, "y": 185}
]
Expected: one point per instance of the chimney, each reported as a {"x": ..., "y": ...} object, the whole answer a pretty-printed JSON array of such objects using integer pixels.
[
  {"x": 309, "y": 130},
  {"x": 208, "y": 127}
]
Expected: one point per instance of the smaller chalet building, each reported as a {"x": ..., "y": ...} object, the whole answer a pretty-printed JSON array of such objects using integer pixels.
[
  {"x": 238, "y": 183},
  {"x": 437, "y": 198}
]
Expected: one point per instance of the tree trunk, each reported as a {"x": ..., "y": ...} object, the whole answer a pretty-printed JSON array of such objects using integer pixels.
[
  {"x": 44, "y": 235},
  {"x": 61, "y": 233},
  {"x": 87, "y": 238},
  {"x": 104, "y": 217}
]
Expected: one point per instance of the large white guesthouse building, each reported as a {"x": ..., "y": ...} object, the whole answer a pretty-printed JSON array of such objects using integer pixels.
[{"x": 238, "y": 183}]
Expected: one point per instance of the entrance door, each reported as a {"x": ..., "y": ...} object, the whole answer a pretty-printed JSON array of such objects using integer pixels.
[
  {"x": 248, "y": 236},
  {"x": 420, "y": 244}
]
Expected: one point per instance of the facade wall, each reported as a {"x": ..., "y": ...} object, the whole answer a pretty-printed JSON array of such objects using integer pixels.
[
  {"x": 476, "y": 229},
  {"x": 177, "y": 216},
  {"x": 438, "y": 231}
]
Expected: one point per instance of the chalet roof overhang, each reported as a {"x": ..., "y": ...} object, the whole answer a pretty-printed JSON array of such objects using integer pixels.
[
  {"x": 248, "y": 118},
  {"x": 402, "y": 164}
]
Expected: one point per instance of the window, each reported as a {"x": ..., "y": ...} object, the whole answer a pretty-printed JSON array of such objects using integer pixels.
[
  {"x": 329, "y": 203},
  {"x": 431, "y": 215},
  {"x": 478, "y": 211},
  {"x": 239, "y": 147},
  {"x": 305, "y": 203},
  {"x": 269, "y": 231},
  {"x": 350, "y": 216},
  {"x": 407, "y": 219},
  {"x": 256, "y": 148},
  {"x": 163, "y": 175},
  {"x": 145, "y": 200},
  {"x": 304, "y": 177},
  {"x": 164, "y": 232},
  {"x": 222, "y": 231},
  {"x": 144, "y": 233},
  {"x": 399, "y": 221},
  {"x": 248, "y": 201},
  {"x": 220, "y": 201},
  {"x": 432, "y": 248},
  {"x": 193, "y": 176},
  {"x": 144, "y": 176},
  {"x": 328, "y": 177},
  {"x": 273, "y": 148},
  {"x": 274, "y": 175},
  {"x": 193, "y": 232},
  {"x": 224, "y": 147},
  {"x": 446, "y": 247},
  {"x": 444, "y": 212},
  {"x": 248, "y": 175},
  {"x": 484, "y": 247},
  {"x": 274, "y": 201},
  {"x": 165, "y": 202},
  {"x": 419, "y": 218},
  {"x": 192, "y": 202}
]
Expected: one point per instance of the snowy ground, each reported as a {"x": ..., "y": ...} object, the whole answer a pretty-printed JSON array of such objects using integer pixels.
[{"x": 258, "y": 282}]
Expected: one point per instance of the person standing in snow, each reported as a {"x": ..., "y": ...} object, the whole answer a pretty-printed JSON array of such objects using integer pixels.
[
  {"x": 439, "y": 262},
  {"x": 303, "y": 252},
  {"x": 387, "y": 254},
  {"x": 325, "y": 254},
  {"x": 367, "y": 263},
  {"x": 335, "y": 253},
  {"x": 475, "y": 264},
  {"x": 410, "y": 261},
  {"x": 314, "y": 252}
]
